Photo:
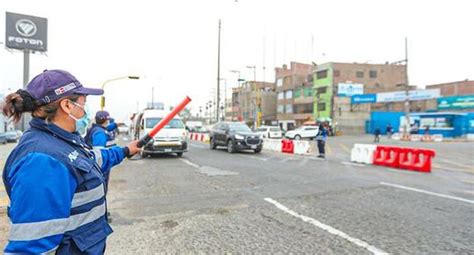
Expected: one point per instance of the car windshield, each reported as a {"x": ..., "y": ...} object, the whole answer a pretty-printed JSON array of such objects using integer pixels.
[
  {"x": 239, "y": 128},
  {"x": 174, "y": 123}
]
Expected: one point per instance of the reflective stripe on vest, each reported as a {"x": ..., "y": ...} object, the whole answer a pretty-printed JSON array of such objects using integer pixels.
[{"x": 38, "y": 230}]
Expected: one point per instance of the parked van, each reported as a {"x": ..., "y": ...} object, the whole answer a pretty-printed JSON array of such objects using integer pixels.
[{"x": 171, "y": 139}]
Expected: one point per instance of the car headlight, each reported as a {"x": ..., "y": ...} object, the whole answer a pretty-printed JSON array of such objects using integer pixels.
[{"x": 239, "y": 137}]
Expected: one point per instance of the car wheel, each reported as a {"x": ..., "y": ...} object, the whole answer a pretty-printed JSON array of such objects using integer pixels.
[
  {"x": 143, "y": 154},
  {"x": 230, "y": 146},
  {"x": 258, "y": 150},
  {"x": 180, "y": 154},
  {"x": 297, "y": 137},
  {"x": 212, "y": 144}
]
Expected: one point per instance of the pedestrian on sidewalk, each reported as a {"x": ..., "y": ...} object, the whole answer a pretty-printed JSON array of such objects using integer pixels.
[
  {"x": 321, "y": 138},
  {"x": 53, "y": 178},
  {"x": 377, "y": 135},
  {"x": 389, "y": 131}
]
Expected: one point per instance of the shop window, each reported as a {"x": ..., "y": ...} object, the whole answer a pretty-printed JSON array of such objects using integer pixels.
[
  {"x": 321, "y": 107},
  {"x": 297, "y": 93},
  {"x": 373, "y": 74},
  {"x": 322, "y": 74},
  {"x": 308, "y": 92}
]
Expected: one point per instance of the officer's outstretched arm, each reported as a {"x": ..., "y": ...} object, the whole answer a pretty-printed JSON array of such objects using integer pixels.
[
  {"x": 41, "y": 194},
  {"x": 107, "y": 158}
]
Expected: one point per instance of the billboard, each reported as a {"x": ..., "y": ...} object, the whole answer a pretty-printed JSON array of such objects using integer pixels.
[
  {"x": 364, "y": 99},
  {"x": 413, "y": 95},
  {"x": 349, "y": 89},
  {"x": 26, "y": 32},
  {"x": 456, "y": 102}
]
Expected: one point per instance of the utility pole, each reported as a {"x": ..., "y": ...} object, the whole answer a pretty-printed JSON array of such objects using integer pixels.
[
  {"x": 26, "y": 77},
  {"x": 152, "y": 97},
  {"x": 407, "y": 99},
  {"x": 218, "y": 70}
]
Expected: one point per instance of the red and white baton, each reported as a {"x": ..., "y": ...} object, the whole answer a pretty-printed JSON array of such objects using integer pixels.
[{"x": 144, "y": 140}]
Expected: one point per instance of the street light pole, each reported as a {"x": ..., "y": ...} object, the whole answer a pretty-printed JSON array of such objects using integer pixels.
[
  {"x": 240, "y": 92},
  {"x": 256, "y": 122},
  {"x": 102, "y": 98}
]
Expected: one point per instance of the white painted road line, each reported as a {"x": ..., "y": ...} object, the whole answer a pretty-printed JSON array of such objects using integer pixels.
[
  {"x": 254, "y": 157},
  {"x": 198, "y": 146},
  {"x": 189, "y": 163},
  {"x": 353, "y": 164},
  {"x": 427, "y": 192},
  {"x": 327, "y": 228}
]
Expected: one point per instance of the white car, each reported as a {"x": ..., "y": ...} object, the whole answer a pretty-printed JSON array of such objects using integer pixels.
[
  {"x": 269, "y": 132},
  {"x": 122, "y": 129},
  {"x": 303, "y": 132}
]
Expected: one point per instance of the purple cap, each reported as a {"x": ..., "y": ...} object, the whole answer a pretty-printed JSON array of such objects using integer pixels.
[
  {"x": 51, "y": 85},
  {"x": 102, "y": 115}
]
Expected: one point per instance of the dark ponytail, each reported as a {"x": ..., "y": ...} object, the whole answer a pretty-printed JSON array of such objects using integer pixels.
[{"x": 17, "y": 103}]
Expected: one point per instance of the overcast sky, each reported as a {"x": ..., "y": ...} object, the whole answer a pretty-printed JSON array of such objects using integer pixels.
[{"x": 172, "y": 45}]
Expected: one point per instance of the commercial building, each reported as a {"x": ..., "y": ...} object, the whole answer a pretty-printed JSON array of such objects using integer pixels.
[
  {"x": 244, "y": 102},
  {"x": 334, "y": 83},
  {"x": 294, "y": 95}
]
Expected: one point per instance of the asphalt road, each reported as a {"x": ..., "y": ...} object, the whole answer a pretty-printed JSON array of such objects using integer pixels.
[{"x": 215, "y": 202}]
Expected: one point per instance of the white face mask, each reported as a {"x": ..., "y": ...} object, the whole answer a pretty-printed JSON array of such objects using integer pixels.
[{"x": 83, "y": 122}]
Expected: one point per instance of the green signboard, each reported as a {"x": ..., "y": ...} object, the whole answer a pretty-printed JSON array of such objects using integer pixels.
[{"x": 457, "y": 102}]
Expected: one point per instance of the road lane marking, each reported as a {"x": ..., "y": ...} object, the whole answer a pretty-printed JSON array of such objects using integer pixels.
[
  {"x": 327, "y": 228},
  {"x": 254, "y": 157},
  {"x": 428, "y": 192},
  {"x": 468, "y": 181},
  {"x": 456, "y": 163},
  {"x": 189, "y": 163},
  {"x": 353, "y": 164},
  {"x": 197, "y": 146},
  {"x": 209, "y": 170},
  {"x": 345, "y": 148}
]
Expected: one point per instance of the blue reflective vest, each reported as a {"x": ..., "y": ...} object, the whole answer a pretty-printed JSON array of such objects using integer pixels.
[
  {"x": 99, "y": 136},
  {"x": 56, "y": 187}
]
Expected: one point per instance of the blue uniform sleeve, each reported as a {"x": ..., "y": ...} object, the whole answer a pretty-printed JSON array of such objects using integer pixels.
[
  {"x": 109, "y": 157},
  {"x": 99, "y": 139},
  {"x": 111, "y": 127},
  {"x": 42, "y": 189}
]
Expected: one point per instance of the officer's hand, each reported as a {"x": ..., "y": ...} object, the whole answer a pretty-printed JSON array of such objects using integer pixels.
[{"x": 133, "y": 148}]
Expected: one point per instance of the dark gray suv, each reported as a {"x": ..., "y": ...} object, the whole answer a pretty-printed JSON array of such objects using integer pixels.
[{"x": 235, "y": 136}]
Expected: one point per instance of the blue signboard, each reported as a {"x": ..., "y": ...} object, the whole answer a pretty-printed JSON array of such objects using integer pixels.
[
  {"x": 456, "y": 102},
  {"x": 364, "y": 99}
]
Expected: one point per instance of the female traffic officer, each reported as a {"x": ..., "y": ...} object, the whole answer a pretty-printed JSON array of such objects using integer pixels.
[{"x": 53, "y": 179}]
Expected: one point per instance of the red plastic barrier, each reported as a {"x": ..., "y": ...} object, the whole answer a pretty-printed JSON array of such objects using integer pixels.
[
  {"x": 387, "y": 156},
  {"x": 287, "y": 146},
  {"x": 404, "y": 158},
  {"x": 416, "y": 159}
]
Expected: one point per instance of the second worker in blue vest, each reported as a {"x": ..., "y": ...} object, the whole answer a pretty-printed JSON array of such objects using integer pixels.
[{"x": 99, "y": 135}]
